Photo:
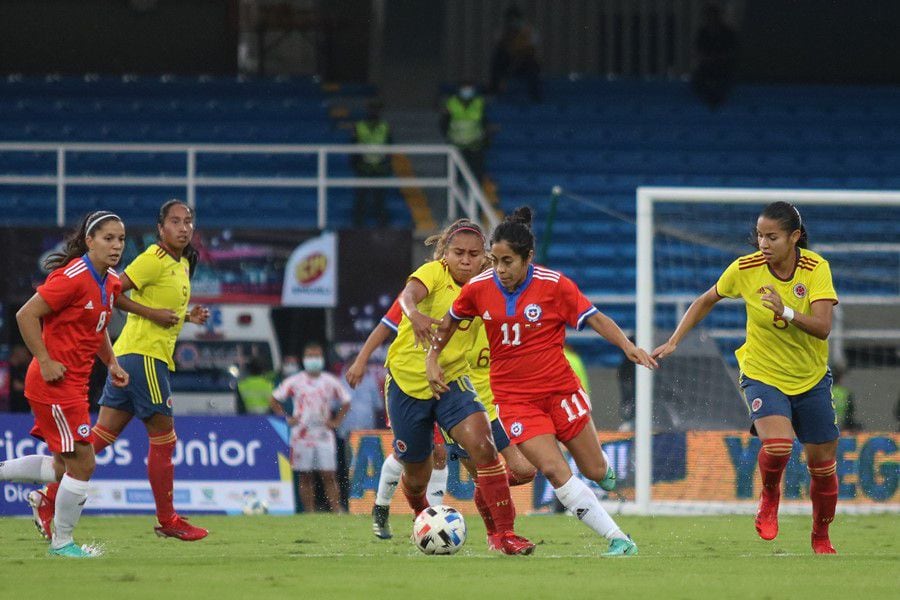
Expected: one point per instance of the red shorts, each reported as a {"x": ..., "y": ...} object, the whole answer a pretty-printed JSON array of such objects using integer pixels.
[
  {"x": 560, "y": 415},
  {"x": 62, "y": 425}
]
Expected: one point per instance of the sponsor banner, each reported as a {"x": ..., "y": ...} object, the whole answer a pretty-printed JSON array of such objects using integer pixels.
[
  {"x": 217, "y": 461},
  {"x": 693, "y": 466},
  {"x": 310, "y": 276}
]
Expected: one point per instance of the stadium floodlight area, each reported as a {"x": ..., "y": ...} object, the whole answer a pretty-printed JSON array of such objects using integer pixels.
[{"x": 685, "y": 238}]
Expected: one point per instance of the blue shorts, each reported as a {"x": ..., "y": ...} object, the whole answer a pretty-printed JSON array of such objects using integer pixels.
[
  {"x": 455, "y": 451},
  {"x": 810, "y": 413},
  {"x": 413, "y": 419},
  {"x": 148, "y": 390}
]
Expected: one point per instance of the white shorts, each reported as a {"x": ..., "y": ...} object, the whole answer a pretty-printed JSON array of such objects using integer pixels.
[{"x": 314, "y": 453}]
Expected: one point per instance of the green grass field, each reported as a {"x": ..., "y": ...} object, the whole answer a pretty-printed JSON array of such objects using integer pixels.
[{"x": 326, "y": 556}]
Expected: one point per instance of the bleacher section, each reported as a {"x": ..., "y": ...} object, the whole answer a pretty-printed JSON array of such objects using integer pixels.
[
  {"x": 600, "y": 140},
  {"x": 179, "y": 110}
]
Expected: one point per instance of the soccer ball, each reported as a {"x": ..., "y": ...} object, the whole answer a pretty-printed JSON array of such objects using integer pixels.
[
  {"x": 253, "y": 505},
  {"x": 439, "y": 530}
]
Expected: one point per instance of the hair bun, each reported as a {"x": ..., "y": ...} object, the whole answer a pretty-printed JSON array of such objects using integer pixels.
[{"x": 522, "y": 215}]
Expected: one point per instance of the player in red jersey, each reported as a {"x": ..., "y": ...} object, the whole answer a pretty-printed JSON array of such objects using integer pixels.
[
  {"x": 74, "y": 305},
  {"x": 525, "y": 309}
]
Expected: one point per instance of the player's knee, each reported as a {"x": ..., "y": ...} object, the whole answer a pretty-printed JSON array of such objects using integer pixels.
[
  {"x": 556, "y": 473},
  {"x": 482, "y": 451},
  {"x": 521, "y": 476},
  {"x": 439, "y": 457}
]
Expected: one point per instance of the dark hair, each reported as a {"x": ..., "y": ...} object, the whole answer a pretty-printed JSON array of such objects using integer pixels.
[
  {"x": 313, "y": 344},
  {"x": 441, "y": 240},
  {"x": 75, "y": 244},
  {"x": 189, "y": 252},
  {"x": 515, "y": 230},
  {"x": 788, "y": 218}
]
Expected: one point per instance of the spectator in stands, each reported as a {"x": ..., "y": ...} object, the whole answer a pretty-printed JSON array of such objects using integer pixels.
[
  {"x": 255, "y": 389},
  {"x": 516, "y": 54},
  {"x": 626, "y": 374},
  {"x": 371, "y": 130},
  {"x": 464, "y": 125},
  {"x": 314, "y": 393},
  {"x": 716, "y": 46},
  {"x": 19, "y": 359},
  {"x": 844, "y": 403}
]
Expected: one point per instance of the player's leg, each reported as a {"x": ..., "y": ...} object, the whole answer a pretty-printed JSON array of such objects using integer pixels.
[
  {"x": 391, "y": 469},
  {"x": 815, "y": 424},
  {"x": 70, "y": 500},
  {"x": 412, "y": 420},
  {"x": 460, "y": 414},
  {"x": 437, "y": 483},
  {"x": 518, "y": 470},
  {"x": 30, "y": 469},
  {"x": 770, "y": 413}
]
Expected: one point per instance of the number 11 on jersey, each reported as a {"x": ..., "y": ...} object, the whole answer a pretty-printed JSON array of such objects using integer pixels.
[{"x": 516, "y": 331}]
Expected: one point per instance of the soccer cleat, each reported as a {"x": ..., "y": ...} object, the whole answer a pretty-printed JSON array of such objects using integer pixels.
[
  {"x": 822, "y": 545},
  {"x": 381, "y": 527},
  {"x": 73, "y": 550},
  {"x": 767, "y": 517},
  {"x": 510, "y": 543},
  {"x": 43, "y": 510},
  {"x": 608, "y": 483},
  {"x": 178, "y": 527},
  {"x": 621, "y": 547}
]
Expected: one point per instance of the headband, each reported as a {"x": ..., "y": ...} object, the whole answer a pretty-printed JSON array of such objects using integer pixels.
[
  {"x": 93, "y": 223},
  {"x": 799, "y": 218},
  {"x": 472, "y": 229}
]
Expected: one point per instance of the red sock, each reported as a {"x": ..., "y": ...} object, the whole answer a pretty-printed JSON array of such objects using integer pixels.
[
  {"x": 495, "y": 489},
  {"x": 417, "y": 503},
  {"x": 103, "y": 437},
  {"x": 161, "y": 473},
  {"x": 482, "y": 507},
  {"x": 823, "y": 491},
  {"x": 773, "y": 458}
]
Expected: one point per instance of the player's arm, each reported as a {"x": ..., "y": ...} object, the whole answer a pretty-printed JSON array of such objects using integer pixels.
[
  {"x": 696, "y": 312},
  {"x": 357, "y": 369},
  {"x": 414, "y": 292},
  {"x": 433, "y": 371},
  {"x": 161, "y": 316},
  {"x": 611, "y": 332},
  {"x": 29, "y": 319},
  {"x": 818, "y": 324},
  {"x": 118, "y": 375}
]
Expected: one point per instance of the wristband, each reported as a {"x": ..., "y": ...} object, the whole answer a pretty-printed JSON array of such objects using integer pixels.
[{"x": 788, "y": 314}]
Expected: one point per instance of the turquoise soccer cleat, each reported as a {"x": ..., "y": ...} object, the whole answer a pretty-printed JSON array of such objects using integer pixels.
[
  {"x": 621, "y": 547},
  {"x": 73, "y": 550},
  {"x": 608, "y": 483}
]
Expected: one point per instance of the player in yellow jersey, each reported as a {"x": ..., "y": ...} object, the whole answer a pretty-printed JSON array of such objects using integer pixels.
[
  {"x": 785, "y": 380},
  {"x": 413, "y": 410},
  {"x": 159, "y": 279}
]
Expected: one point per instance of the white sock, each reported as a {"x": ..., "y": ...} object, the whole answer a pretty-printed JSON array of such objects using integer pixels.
[
  {"x": 28, "y": 468},
  {"x": 387, "y": 482},
  {"x": 70, "y": 501},
  {"x": 437, "y": 486},
  {"x": 576, "y": 496}
]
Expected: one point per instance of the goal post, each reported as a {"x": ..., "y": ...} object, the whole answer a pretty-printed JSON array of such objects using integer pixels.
[{"x": 685, "y": 238}]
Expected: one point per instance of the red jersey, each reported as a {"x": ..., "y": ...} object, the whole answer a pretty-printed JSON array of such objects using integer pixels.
[
  {"x": 82, "y": 305},
  {"x": 526, "y": 330}
]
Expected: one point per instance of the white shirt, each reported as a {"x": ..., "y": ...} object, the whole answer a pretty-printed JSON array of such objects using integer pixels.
[{"x": 314, "y": 400}]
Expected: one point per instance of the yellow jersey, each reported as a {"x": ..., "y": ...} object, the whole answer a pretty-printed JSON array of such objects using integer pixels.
[
  {"x": 479, "y": 359},
  {"x": 405, "y": 362},
  {"x": 775, "y": 352},
  {"x": 160, "y": 281}
]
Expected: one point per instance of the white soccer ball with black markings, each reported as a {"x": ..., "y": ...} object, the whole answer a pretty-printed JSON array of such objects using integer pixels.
[{"x": 439, "y": 530}]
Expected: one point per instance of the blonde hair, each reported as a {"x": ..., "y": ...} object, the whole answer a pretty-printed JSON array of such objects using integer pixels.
[{"x": 441, "y": 240}]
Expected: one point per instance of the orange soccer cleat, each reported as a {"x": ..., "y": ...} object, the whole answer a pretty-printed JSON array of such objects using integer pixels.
[
  {"x": 178, "y": 527},
  {"x": 767, "y": 517},
  {"x": 822, "y": 545},
  {"x": 510, "y": 543},
  {"x": 43, "y": 509}
]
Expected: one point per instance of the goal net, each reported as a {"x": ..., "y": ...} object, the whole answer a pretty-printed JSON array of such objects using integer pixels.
[{"x": 692, "y": 451}]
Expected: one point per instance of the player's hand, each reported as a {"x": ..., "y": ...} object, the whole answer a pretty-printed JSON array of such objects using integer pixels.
[
  {"x": 639, "y": 356},
  {"x": 292, "y": 421},
  {"x": 164, "y": 317},
  {"x": 435, "y": 375},
  {"x": 664, "y": 350},
  {"x": 772, "y": 300},
  {"x": 198, "y": 315},
  {"x": 118, "y": 376},
  {"x": 355, "y": 374},
  {"x": 51, "y": 370},
  {"x": 423, "y": 328}
]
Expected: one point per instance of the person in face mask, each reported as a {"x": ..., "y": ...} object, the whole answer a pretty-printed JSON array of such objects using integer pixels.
[
  {"x": 314, "y": 394},
  {"x": 463, "y": 124}
]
